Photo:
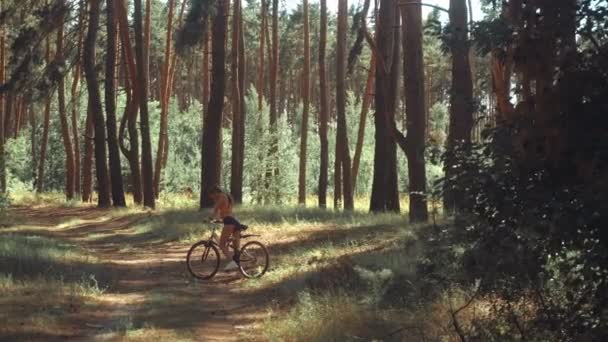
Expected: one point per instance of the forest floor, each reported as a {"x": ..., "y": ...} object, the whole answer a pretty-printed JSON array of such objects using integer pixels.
[{"x": 88, "y": 274}]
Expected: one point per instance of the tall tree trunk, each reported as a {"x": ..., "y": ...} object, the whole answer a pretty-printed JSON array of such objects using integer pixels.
[
  {"x": 45, "y": 132},
  {"x": 87, "y": 163},
  {"x": 142, "y": 76},
  {"x": 63, "y": 118},
  {"x": 169, "y": 91},
  {"x": 146, "y": 36},
  {"x": 236, "y": 180},
  {"x": 2, "y": 111},
  {"x": 33, "y": 135},
  {"x": 367, "y": 100},
  {"x": 212, "y": 132},
  {"x": 461, "y": 100},
  {"x": 75, "y": 100},
  {"x": 385, "y": 195},
  {"x": 95, "y": 106},
  {"x": 323, "y": 109},
  {"x": 131, "y": 110},
  {"x": 337, "y": 177},
  {"x": 238, "y": 194},
  {"x": 118, "y": 193},
  {"x": 413, "y": 63},
  {"x": 273, "y": 170},
  {"x": 206, "y": 53},
  {"x": 164, "y": 102},
  {"x": 342, "y": 134},
  {"x": 261, "y": 63},
  {"x": 305, "y": 109}
]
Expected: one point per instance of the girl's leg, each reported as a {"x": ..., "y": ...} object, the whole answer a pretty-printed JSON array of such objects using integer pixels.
[
  {"x": 236, "y": 240},
  {"x": 224, "y": 240}
]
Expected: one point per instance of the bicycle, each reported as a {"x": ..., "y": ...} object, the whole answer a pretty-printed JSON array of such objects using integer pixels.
[{"x": 203, "y": 259}]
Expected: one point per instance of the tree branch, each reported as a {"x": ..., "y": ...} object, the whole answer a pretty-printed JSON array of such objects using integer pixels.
[{"x": 411, "y": 3}]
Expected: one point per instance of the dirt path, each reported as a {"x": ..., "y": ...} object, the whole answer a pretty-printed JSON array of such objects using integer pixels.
[{"x": 150, "y": 290}]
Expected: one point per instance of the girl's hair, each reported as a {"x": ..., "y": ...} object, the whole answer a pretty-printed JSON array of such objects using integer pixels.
[{"x": 216, "y": 189}]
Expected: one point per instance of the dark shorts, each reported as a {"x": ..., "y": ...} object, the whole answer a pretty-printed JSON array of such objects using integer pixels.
[{"x": 231, "y": 221}]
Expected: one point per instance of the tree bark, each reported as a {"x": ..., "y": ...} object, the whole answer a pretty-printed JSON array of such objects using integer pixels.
[
  {"x": 206, "y": 53},
  {"x": 118, "y": 193},
  {"x": 413, "y": 68},
  {"x": 45, "y": 132},
  {"x": 95, "y": 106},
  {"x": 236, "y": 180},
  {"x": 63, "y": 118},
  {"x": 87, "y": 163},
  {"x": 212, "y": 132},
  {"x": 238, "y": 194},
  {"x": 75, "y": 100},
  {"x": 164, "y": 102},
  {"x": 146, "y": 37},
  {"x": 305, "y": 109},
  {"x": 342, "y": 134},
  {"x": 273, "y": 170},
  {"x": 367, "y": 100},
  {"x": 142, "y": 76},
  {"x": 323, "y": 109},
  {"x": 261, "y": 64},
  {"x": 385, "y": 195},
  {"x": 461, "y": 101},
  {"x": 129, "y": 120},
  {"x": 169, "y": 92},
  {"x": 2, "y": 111}
]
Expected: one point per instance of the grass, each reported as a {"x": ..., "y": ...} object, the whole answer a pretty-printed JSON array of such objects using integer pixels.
[{"x": 342, "y": 268}]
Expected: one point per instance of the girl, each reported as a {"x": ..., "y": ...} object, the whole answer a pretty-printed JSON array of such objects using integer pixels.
[{"x": 232, "y": 228}]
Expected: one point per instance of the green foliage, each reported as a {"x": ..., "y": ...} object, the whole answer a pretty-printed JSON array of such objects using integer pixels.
[{"x": 269, "y": 177}]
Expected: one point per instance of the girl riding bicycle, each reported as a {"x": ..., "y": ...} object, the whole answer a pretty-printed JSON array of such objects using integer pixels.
[{"x": 232, "y": 227}]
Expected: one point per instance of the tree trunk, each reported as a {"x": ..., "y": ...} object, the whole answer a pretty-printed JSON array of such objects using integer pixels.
[
  {"x": 164, "y": 102},
  {"x": 261, "y": 64},
  {"x": 118, "y": 193},
  {"x": 342, "y": 134},
  {"x": 146, "y": 37},
  {"x": 45, "y": 132},
  {"x": 2, "y": 111},
  {"x": 206, "y": 53},
  {"x": 238, "y": 194},
  {"x": 33, "y": 135},
  {"x": 385, "y": 195},
  {"x": 169, "y": 92},
  {"x": 212, "y": 132},
  {"x": 75, "y": 101},
  {"x": 65, "y": 129},
  {"x": 131, "y": 110},
  {"x": 95, "y": 106},
  {"x": 461, "y": 101},
  {"x": 236, "y": 180},
  {"x": 306, "y": 107},
  {"x": 87, "y": 163},
  {"x": 142, "y": 76},
  {"x": 338, "y": 178},
  {"x": 273, "y": 170},
  {"x": 323, "y": 109},
  {"x": 367, "y": 100},
  {"x": 413, "y": 64}
]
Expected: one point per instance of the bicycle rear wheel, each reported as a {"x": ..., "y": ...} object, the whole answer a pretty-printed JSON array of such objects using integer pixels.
[
  {"x": 203, "y": 260},
  {"x": 253, "y": 260}
]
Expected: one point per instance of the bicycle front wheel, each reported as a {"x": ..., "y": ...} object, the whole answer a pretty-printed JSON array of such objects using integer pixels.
[
  {"x": 203, "y": 260},
  {"x": 253, "y": 260}
]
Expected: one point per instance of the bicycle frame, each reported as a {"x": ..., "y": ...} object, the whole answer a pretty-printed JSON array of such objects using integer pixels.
[{"x": 214, "y": 237}]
